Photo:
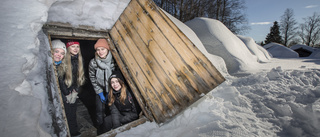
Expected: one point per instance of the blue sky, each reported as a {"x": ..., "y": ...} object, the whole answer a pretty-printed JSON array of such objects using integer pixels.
[{"x": 262, "y": 13}]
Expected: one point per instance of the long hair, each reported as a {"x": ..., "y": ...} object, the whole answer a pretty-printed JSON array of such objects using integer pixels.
[
  {"x": 123, "y": 93},
  {"x": 68, "y": 79},
  {"x": 61, "y": 69}
]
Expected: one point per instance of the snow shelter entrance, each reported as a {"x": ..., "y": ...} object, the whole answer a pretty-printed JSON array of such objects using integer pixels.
[{"x": 164, "y": 69}]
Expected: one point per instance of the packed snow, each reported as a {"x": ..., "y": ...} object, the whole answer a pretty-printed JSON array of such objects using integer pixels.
[
  {"x": 275, "y": 97},
  {"x": 279, "y": 51}
]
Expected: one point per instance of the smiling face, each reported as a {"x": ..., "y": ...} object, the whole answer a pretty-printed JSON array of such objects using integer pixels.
[
  {"x": 58, "y": 54},
  {"x": 102, "y": 52},
  {"x": 115, "y": 84},
  {"x": 74, "y": 49}
]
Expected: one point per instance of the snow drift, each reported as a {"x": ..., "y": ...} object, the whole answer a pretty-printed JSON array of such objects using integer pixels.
[
  {"x": 255, "y": 49},
  {"x": 279, "y": 51},
  {"x": 101, "y": 14},
  {"x": 217, "y": 61},
  {"x": 298, "y": 46},
  {"x": 220, "y": 41}
]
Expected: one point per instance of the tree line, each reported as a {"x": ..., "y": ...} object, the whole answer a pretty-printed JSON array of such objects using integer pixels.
[
  {"x": 289, "y": 32},
  {"x": 229, "y": 12}
]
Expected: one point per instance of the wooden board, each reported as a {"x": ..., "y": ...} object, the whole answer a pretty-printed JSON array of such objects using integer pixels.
[{"x": 167, "y": 68}]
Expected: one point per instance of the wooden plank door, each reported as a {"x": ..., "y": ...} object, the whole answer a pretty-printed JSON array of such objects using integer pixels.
[{"x": 167, "y": 68}]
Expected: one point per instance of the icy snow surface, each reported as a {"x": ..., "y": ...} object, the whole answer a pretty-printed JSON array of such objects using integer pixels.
[{"x": 277, "y": 97}]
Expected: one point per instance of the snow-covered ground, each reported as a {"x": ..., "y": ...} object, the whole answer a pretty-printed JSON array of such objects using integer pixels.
[{"x": 262, "y": 96}]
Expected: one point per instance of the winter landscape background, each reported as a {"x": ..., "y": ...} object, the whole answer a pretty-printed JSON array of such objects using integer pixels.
[{"x": 266, "y": 93}]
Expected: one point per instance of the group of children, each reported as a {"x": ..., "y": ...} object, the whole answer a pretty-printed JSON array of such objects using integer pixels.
[{"x": 107, "y": 82}]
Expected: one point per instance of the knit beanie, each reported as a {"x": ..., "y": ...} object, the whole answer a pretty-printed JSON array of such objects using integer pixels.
[
  {"x": 101, "y": 43},
  {"x": 70, "y": 43},
  {"x": 59, "y": 44},
  {"x": 116, "y": 74}
]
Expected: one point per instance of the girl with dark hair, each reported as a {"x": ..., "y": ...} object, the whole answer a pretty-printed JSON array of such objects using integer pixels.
[{"x": 121, "y": 103}]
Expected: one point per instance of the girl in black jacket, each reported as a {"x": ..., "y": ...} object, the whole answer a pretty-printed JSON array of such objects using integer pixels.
[
  {"x": 121, "y": 103},
  {"x": 72, "y": 80}
]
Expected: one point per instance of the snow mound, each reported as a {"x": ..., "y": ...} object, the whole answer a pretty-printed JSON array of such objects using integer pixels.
[
  {"x": 276, "y": 96},
  {"x": 315, "y": 54},
  {"x": 219, "y": 40},
  {"x": 272, "y": 103},
  {"x": 217, "y": 61},
  {"x": 279, "y": 51},
  {"x": 262, "y": 54},
  {"x": 298, "y": 46},
  {"x": 97, "y": 13}
]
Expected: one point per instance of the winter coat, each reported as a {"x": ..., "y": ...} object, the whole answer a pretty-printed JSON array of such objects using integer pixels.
[
  {"x": 61, "y": 84},
  {"x": 99, "y": 72},
  {"x": 123, "y": 113},
  {"x": 63, "y": 87}
]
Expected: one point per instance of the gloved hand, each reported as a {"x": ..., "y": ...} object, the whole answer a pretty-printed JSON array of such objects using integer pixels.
[
  {"x": 69, "y": 98},
  {"x": 74, "y": 96},
  {"x": 102, "y": 98}
]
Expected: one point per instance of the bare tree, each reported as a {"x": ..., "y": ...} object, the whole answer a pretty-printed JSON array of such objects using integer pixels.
[
  {"x": 288, "y": 26},
  {"x": 229, "y": 12},
  {"x": 310, "y": 31}
]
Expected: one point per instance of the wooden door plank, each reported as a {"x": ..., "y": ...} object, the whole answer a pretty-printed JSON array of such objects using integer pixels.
[
  {"x": 169, "y": 71},
  {"x": 130, "y": 82},
  {"x": 179, "y": 45},
  {"x": 158, "y": 38},
  {"x": 143, "y": 84},
  {"x": 144, "y": 66},
  {"x": 161, "y": 66},
  {"x": 201, "y": 59}
]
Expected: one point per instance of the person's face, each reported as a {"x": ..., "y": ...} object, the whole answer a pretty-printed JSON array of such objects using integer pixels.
[
  {"x": 102, "y": 52},
  {"x": 58, "y": 54},
  {"x": 115, "y": 84},
  {"x": 74, "y": 49}
]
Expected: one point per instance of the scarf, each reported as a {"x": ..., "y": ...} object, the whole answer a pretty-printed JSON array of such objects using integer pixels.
[
  {"x": 57, "y": 63},
  {"x": 104, "y": 69}
]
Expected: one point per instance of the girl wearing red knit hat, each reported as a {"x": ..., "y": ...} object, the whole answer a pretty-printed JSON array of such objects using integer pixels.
[
  {"x": 100, "y": 68},
  {"x": 73, "y": 79}
]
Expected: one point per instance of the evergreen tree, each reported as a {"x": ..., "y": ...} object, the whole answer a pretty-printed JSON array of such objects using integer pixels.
[{"x": 274, "y": 35}]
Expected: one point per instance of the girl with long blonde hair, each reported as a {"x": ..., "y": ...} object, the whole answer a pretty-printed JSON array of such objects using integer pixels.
[{"x": 73, "y": 79}]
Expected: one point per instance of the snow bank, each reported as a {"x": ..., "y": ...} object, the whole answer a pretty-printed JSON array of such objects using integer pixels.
[
  {"x": 101, "y": 14},
  {"x": 271, "y": 103},
  {"x": 220, "y": 41},
  {"x": 217, "y": 61},
  {"x": 255, "y": 49},
  {"x": 280, "y": 51},
  {"x": 298, "y": 46},
  {"x": 23, "y": 99},
  {"x": 315, "y": 54}
]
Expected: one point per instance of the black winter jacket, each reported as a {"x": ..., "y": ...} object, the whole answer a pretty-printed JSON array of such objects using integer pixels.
[
  {"x": 63, "y": 87},
  {"x": 123, "y": 114}
]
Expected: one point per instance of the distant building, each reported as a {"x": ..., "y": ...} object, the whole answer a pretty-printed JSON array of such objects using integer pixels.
[{"x": 303, "y": 50}]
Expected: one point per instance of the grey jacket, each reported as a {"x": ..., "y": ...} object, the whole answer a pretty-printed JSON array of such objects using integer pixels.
[{"x": 99, "y": 72}]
